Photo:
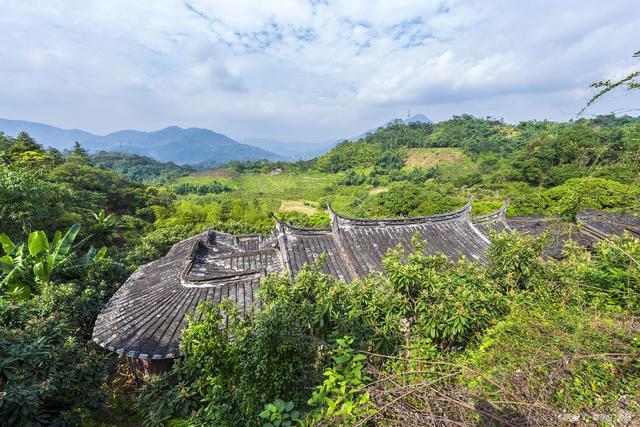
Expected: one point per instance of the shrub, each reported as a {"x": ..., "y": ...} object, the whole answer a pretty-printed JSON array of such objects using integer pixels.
[
  {"x": 47, "y": 372},
  {"x": 341, "y": 399},
  {"x": 580, "y": 193},
  {"x": 234, "y": 370},
  {"x": 515, "y": 259},
  {"x": 447, "y": 302},
  {"x": 612, "y": 278}
]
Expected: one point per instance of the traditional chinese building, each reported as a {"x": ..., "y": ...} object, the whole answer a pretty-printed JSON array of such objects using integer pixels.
[{"x": 144, "y": 319}]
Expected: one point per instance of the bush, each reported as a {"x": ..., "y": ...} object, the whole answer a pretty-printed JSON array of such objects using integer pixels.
[
  {"x": 47, "y": 371},
  {"x": 580, "y": 193},
  {"x": 449, "y": 303},
  {"x": 235, "y": 369},
  {"x": 515, "y": 259},
  {"x": 341, "y": 399},
  {"x": 612, "y": 275}
]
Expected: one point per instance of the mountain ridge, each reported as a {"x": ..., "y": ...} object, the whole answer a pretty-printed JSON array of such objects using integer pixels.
[{"x": 172, "y": 143}]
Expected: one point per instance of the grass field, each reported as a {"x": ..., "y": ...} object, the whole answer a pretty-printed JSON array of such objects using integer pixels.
[
  {"x": 430, "y": 157},
  {"x": 286, "y": 192}
]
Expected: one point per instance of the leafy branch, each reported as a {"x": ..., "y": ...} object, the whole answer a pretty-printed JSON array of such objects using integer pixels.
[{"x": 631, "y": 82}]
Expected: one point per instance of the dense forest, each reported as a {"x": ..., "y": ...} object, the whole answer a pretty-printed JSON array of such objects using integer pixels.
[{"x": 523, "y": 340}]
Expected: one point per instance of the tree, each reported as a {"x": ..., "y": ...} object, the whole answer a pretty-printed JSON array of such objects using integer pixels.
[
  {"x": 23, "y": 142},
  {"x": 79, "y": 153}
]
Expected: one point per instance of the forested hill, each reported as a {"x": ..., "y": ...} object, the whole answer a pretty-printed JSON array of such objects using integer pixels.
[
  {"x": 536, "y": 152},
  {"x": 534, "y": 144},
  {"x": 138, "y": 168}
]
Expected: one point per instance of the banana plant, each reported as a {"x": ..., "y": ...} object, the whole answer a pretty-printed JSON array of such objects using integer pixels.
[
  {"x": 14, "y": 264},
  {"x": 33, "y": 264},
  {"x": 103, "y": 221}
]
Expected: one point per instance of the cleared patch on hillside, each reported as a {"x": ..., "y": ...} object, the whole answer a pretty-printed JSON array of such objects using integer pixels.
[
  {"x": 430, "y": 157},
  {"x": 297, "y": 206},
  {"x": 378, "y": 190},
  {"x": 217, "y": 173}
]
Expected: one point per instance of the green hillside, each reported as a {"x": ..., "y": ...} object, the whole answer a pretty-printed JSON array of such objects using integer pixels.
[{"x": 524, "y": 340}]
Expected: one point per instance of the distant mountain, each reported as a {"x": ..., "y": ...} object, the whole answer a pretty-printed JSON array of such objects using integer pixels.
[
  {"x": 292, "y": 150},
  {"x": 417, "y": 118},
  {"x": 171, "y": 144}
]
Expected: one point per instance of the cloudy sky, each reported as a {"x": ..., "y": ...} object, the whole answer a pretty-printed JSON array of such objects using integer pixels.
[{"x": 307, "y": 70}]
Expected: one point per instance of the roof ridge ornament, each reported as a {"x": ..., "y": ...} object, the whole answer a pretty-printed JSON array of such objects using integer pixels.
[
  {"x": 286, "y": 228},
  {"x": 500, "y": 213},
  {"x": 339, "y": 220}
]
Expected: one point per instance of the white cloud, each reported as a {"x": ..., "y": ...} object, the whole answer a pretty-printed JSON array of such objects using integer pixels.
[{"x": 305, "y": 70}]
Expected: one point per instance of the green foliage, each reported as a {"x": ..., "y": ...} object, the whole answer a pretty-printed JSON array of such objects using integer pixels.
[
  {"x": 28, "y": 267},
  {"x": 280, "y": 413},
  {"x": 138, "y": 168},
  {"x": 27, "y": 201},
  {"x": 48, "y": 372},
  {"x": 612, "y": 275},
  {"x": 352, "y": 178},
  {"x": 581, "y": 193},
  {"x": 213, "y": 187},
  {"x": 549, "y": 347},
  {"x": 261, "y": 166},
  {"x": 316, "y": 220},
  {"x": 367, "y": 310},
  {"x": 449, "y": 303},
  {"x": 408, "y": 199},
  {"x": 515, "y": 260},
  {"x": 341, "y": 399},
  {"x": 235, "y": 369}
]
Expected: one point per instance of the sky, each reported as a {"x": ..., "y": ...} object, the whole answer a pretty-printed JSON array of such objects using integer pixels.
[{"x": 308, "y": 71}]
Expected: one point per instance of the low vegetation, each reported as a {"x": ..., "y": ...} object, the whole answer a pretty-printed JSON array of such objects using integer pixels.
[{"x": 521, "y": 341}]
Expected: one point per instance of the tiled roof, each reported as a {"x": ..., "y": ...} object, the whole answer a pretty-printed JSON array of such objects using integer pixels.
[{"x": 145, "y": 317}]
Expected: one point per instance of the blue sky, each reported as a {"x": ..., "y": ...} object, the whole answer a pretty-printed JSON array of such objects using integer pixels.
[{"x": 307, "y": 71}]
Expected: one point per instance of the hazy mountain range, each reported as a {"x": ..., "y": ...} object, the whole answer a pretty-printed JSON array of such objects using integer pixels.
[
  {"x": 175, "y": 144},
  {"x": 293, "y": 150},
  {"x": 171, "y": 144}
]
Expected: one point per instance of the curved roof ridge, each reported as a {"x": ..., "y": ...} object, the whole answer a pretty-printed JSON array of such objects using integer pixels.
[
  {"x": 463, "y": 213},
  {"x": 499, "y": 214},
  {"x": 286, "y": 228}
]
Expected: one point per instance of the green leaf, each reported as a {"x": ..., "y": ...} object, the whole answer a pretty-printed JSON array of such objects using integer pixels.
[
  {"x": 64, "y": 245},
  {"x": 40, "y": 273},
  {"x": 56, "y": 238},
  {"x": 264, "y": 414},
  {"x": 359, "y": 357},
  {"x": 37, "y": 243},
  {"x": 288, "y": 406},
  {"x": 6, "y": 263},
  {"x": 100, "y": 254},
  {"x": 19, "y": 291},
  {"x": 7, "y": 244}
]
